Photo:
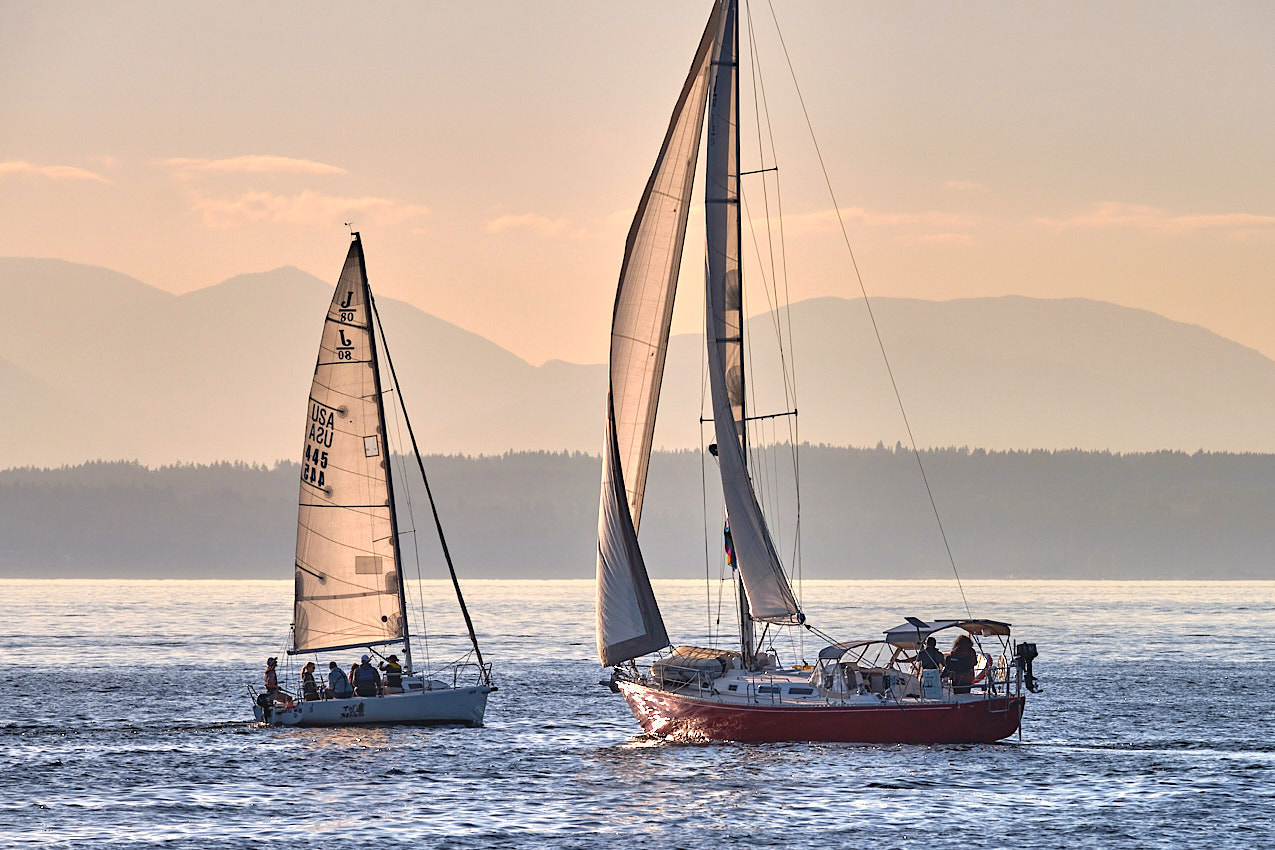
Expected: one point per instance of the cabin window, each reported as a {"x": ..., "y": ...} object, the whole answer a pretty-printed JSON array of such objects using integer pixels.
[
  {"x": 802, "y": 691},
  {"x": 732, "y": 687},
  {"x": 768, "y": 689}
]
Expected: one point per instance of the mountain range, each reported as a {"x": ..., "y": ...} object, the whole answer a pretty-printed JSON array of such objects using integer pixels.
[{"x": 95, "y": 364}]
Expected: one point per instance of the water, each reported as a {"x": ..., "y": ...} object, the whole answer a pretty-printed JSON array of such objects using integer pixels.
[{"x": 126, "y": 724}]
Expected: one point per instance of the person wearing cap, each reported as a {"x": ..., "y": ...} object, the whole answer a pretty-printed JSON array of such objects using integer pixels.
[
  {"x": 367, "y": 679},
  {"x": 393, "y": 674},
  {"x": 338, "y": 683},
  {"x": 273, "y": 690}
]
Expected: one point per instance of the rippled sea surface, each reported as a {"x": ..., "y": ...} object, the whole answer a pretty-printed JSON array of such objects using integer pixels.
[{"x": 127, "y": 723}]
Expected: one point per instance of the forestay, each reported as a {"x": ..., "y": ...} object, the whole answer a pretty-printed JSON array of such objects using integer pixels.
[
  {"x": 347, "y": 570},
  {"x": 770, "y": 598},
  {"x": 629, "y": 621}
]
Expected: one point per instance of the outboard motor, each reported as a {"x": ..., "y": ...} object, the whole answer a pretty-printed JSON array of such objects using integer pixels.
[
  {"x": 266, "y": 704},
  {"x": 1026, "y": 653}
]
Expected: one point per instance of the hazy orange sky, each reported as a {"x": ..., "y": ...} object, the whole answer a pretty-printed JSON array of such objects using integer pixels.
[{"x": 492, "y": 153}]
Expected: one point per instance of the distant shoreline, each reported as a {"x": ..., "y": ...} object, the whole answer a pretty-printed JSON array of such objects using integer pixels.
[{"x": 1013, "y": 516}]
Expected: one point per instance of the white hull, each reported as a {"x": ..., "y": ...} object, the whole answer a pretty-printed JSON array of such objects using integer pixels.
[{"x": 464, "y": 706}]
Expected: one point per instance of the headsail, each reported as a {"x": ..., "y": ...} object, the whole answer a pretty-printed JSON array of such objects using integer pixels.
[
  {"x": 629, "y": 622},
  {"x": 770, "y": 598},
  {"x": 347, "y": 567}
]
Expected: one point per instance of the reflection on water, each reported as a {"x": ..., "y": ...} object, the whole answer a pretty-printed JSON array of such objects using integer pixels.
[{"x": 127, "y": 724}]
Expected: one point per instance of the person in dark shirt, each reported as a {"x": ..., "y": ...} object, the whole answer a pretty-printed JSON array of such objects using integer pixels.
[
  {"x": 367, "y": 679},
  {"x": 960, "y": 665},
  {"x": 932, "y": 657},
  {"x": 393, "y": 673}
]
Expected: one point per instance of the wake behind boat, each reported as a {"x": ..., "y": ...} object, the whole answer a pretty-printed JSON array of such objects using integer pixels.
[
  {"x": 349, "y": 587},
  {"x": 877, "y": 691}
]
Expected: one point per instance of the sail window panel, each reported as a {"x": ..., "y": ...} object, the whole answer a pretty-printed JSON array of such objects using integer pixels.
[
  {"x": 367, "y": 565},
  {"x": 370, "y": 447}
]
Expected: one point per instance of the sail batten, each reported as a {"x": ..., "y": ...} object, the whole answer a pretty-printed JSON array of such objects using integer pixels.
[
  {"x": 770, "y": 597},
  {"x": 347, "y": 568},
  {"x": 629, "y": 621}
]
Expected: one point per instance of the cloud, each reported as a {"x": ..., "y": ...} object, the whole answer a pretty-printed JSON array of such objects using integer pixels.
[
  {"x": 1117, "y": 215},
  {"x": 822, "y": 221},
  {"x": 257, "y": 164},
  {"x": 307, "y": 208},
  {"x": 966, "y": 186},
  {"x": 537, "y": 224},
  {"x": 938, "y": 239},
  {"x": 52, "y": 172}
]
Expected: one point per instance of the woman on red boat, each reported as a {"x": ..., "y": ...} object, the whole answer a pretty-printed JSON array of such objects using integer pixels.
[{"x": 959, "y": 668}]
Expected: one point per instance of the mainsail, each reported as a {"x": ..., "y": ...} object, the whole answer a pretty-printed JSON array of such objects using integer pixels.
[
  {"x": 770, "y": 598},
  {"x": 347, "y": 566},
  {"x": 629, "y": 622}
]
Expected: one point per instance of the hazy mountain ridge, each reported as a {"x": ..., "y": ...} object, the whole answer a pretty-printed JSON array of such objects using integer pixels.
[
  {"x": 1031, "y": 514},
  {"x": 103, "y": 366}
]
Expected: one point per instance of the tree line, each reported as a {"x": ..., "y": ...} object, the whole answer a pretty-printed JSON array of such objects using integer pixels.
[{"x": 864, "y": 513}]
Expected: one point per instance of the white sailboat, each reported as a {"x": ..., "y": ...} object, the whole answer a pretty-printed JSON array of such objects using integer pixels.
[
  {"x": 867, "y": 691},
  {"x": 349, "y": 587}
]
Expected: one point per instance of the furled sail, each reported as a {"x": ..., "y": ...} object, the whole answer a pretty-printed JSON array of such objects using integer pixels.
[
  {"x": 347, "y": 568},
  {"x": 629, "y": 621},
  {"x": 770, "y": 598}
]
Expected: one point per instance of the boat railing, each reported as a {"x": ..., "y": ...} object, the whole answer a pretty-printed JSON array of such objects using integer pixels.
[{"x": 470, "y": 671}]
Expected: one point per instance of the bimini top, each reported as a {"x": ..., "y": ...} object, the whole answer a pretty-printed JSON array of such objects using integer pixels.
[
  {"x": 837, "y": 650},
  {"x": 912, "y": 634}
]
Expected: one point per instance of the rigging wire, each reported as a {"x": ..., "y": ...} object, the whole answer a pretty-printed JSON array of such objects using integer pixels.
[
  {"x": 787, "y": 358},
  {"x": 416, "y": 547},
  {"x": 438, "y": 523},
  {"x": 871, "y": 315}
]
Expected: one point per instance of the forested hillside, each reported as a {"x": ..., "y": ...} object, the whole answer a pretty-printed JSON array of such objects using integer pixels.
[{"x": 864, "y": 514}]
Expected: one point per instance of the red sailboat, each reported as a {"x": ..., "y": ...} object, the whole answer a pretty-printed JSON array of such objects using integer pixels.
[{"x": 879, "y": 691}]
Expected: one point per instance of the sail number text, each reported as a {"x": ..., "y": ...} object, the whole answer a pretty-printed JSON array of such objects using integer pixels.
[{"x": 318, "y": 439}]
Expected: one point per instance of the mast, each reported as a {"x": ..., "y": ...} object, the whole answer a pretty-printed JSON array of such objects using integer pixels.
[
  {"x": 747, "y": 637},
  {"x": 389, "y": 476}
]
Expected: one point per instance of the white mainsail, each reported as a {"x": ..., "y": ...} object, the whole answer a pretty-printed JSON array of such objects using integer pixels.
[
  {"x": 629, "y": 621},
  {"x": 770, "y": 597},
  {"x": 347, "y": 567}
]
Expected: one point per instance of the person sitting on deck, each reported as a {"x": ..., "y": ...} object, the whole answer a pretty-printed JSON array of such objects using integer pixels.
[
  {"x": 367, "y": 679},
  {"x": 338, "y": 683},
  {"x": 960, "y": 665},
  {"x": 273, "y": 690},
  {"x": 309, "y": 688},
  {"x": 393, "y": 675}
]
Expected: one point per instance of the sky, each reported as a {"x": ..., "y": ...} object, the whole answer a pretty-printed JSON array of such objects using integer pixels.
[{"x": 491, "y": 154}]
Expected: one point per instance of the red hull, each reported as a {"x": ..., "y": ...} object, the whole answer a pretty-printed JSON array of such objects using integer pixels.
[{"x": 676, "y": 716}]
